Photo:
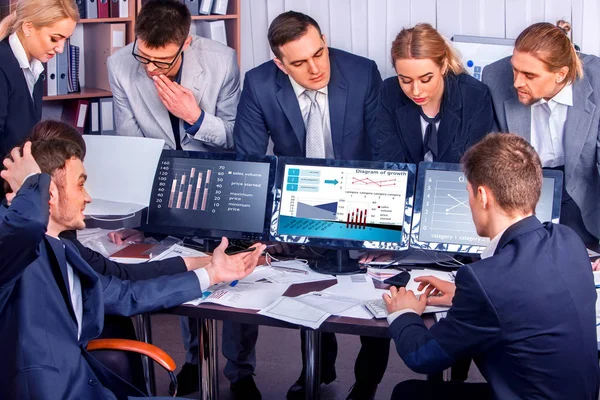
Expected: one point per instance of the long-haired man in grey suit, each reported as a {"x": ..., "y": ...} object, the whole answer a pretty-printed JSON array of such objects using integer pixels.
[
  {"x": 550, "y": 95},
  {"x": 174, "y": 86}
]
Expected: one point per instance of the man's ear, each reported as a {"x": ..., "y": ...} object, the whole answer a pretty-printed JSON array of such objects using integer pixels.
[
  {"x": 280, "y": 65},
  {"x": 187, "y": 43},
  {"x": 483, "y": 197},
  {"x": 53, "y": 195},
  {"x": 324, "y": 39}
]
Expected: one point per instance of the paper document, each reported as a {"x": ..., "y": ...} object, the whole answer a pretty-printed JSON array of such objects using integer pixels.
[
  {"x": 290, "y": 309},
  {"x": 120, "y": 169},
  {"x": 358, "y": 287},
  {"x": 289, "y": 272},
  {"x": 329, "y": 303},
  {"x": 253, "y": 296},
  {"x": 178, "y": 251}
]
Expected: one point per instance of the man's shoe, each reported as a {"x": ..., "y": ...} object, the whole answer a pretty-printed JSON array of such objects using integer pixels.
[
  {"x": 362, "y": 391},
  {"x": 245, "y": 389},
  {"x": 298, "y": 391},
  {"x": 187, "y": 380}
]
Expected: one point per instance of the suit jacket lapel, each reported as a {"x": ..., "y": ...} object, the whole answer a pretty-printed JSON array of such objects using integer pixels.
[
  {"x": 408, "y": 121},
  {"x": 59, "y": 270},
  {"x": 289, "y": 104},
  {"x": 156, "y": 108},
  {"x": 337, "y": 93},
  {"x": 577, "y": 126},
  {"x": 452, "y": 104},
  {"x": 518, "y": 118},
  {"x": 192, "y": 77}
]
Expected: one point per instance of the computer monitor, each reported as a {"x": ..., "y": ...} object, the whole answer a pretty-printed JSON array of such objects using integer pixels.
[
  {"x": 344, "y": 204},
  {"x": 442, "y": 218},
  {"x": 211, "y": 195}
]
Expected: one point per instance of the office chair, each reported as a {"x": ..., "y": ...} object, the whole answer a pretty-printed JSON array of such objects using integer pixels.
[{"x": 146, "y": 349}]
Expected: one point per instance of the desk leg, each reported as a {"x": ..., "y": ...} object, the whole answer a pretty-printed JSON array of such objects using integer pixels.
[
  {"x": 144, "y": 328},
  {"x": 313, "y": 363},
  {"x": 208, "y": 348}
]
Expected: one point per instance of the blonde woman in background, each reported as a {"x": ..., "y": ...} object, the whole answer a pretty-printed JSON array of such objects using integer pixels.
[{"x": 34, "y": 33}]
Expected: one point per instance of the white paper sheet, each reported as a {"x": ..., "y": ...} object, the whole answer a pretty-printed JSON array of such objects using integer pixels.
[
  {"x": 253, "y": 296},
  {"x": 329, "y": 303},
  {"x": 178, "y": 251},
  {"x": 359, "y": 287},
  {"x": 291, "y": 310},
  {"x": 286, "y": 273},
  {"x": 120, "y": 169}
]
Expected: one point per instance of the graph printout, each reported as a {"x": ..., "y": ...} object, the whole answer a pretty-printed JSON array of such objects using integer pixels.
[
  {"x": 210, "y": 194},
  {"x": 446, "y": 215},
  {"x": 343, "y": 203}
]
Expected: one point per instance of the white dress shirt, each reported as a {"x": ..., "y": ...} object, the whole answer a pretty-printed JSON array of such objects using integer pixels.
[
  {"x": 488, "y": 252},
  {"x": 33, "y": 70},
  {"x": 548, "y": 127},
  {"x": 323, "y": 102}
]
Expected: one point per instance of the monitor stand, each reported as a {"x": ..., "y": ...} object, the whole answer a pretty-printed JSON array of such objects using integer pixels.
[{"x": 337, "y": 262}]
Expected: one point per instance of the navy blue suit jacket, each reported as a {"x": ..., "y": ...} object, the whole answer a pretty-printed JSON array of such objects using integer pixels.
[
  {"x": 18, "y": 111},
  {"x": 269, "y": 108},
  {"x": 42, "y": 356},
  {"x": 467, "y": 117},
  {"x": 526, "y": 315}
]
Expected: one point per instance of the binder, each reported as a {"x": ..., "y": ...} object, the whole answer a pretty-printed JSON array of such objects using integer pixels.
[
  {"x": 114, "y": 8},
  {"x": 51, "y": 77},
  {"x": 101, "y": 41},
  {"x": 82, "y": 8},
  {"x": 220, "y": 7},
  {"x": 205, "y": 7},
  {"x": 73, "y": 75},
  {"x": 62, "y": 72},
  {"x": 123, "y": 9},
  {"x": 214, "y": 30},
  {"x": 75, "y": 113},
  {"x": 91, "y": 9},
  {"x": 103, "y": 8},
  {"x": 107, "y": 117},
  {"x": 192, "y": 5},
  {"x": 94, "y": 119}
]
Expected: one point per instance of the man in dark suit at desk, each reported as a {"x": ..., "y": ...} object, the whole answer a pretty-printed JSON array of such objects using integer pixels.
[
  {"x": 317, "y": 102},
  {"x": 525, "y": 313},
  {"x": 51, "y": 301}
]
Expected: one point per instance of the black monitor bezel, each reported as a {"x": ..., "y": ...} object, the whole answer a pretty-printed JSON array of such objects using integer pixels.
[
  {"x": 217, "y": 233},
  {"x": 341, "y": 243},
  {"x": 462, "y": 248}
]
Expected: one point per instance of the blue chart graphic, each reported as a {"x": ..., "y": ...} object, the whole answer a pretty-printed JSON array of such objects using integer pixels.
[{"x": 317, "y": 211}]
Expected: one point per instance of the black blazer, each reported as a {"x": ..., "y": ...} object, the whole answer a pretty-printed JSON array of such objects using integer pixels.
[
  {"x": 18, "y": 111},
  {"x": 467, "y": 117},
  {"x": 526, "y": 315}
]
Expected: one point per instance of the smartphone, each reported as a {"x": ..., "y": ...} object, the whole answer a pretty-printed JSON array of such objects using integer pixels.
[
  {"x": 400, "y": 280},
  {"x": 232, "y": 253}
]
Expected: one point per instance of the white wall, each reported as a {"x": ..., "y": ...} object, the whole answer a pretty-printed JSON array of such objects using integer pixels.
[{"x": 367, "y": 27}]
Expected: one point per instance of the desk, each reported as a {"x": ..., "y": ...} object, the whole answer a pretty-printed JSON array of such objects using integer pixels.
[{"x": 207, "y": 334}]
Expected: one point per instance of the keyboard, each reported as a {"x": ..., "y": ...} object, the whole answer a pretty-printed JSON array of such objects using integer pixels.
[{"x": 377, "y": 308}]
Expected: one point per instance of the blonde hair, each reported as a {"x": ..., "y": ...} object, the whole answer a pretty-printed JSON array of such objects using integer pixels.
[
  {"x": 549, "y": 44},
  {"x": 40, "y": 13},
  {"x": 424, "y": 42}
]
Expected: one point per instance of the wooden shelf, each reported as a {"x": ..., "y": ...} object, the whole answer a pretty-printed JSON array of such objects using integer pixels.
[
  {"x": 214, "y": 17},
  {"x": 84, "y": 94},
  {"x": 99, "y": 20}
]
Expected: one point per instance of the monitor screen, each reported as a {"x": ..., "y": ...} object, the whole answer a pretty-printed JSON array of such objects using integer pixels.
[
  {"x": 344, "y": 204},
  {"x": 442, "y": 217},
  {"x": 212, "y": 195}
]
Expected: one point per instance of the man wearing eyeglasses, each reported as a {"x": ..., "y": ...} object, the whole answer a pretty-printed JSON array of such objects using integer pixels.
[{"x": 174, "y": 86}]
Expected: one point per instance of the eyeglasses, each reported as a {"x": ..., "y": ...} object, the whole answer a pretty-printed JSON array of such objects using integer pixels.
[{"x": 157, "y": 64}]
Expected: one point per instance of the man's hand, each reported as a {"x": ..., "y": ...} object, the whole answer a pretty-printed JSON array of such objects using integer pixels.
[
  {"x": 178, "y": 100},
  {"x": 20, "y": 167},
  {"x": 126, "y": 236},
  {"x": 401, "y": 299},
  {"x": 595, "y": 264},
  {"x": 224, "y": 268},
  {"x": 379, "y": 256},
  {"x": 441, "y": 292}
]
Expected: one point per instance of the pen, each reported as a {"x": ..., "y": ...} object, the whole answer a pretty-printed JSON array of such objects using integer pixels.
[
  {"x": 294, "y": 270},
  {"x": 248, "y": 250},
  {"x": 232, "y": 284}
]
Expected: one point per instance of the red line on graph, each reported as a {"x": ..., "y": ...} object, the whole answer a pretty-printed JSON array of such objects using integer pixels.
[{"x": 369, "y": 181}]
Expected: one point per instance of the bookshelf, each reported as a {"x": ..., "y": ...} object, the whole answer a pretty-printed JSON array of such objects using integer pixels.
[{"x": 232, "y": 28}]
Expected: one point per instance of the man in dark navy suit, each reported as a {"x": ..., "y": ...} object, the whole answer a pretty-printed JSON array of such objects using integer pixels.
[
  {"x": 525, "y": 313},
  {"x": 317, "y": 102},
  {"x": 51, "y": 301}
]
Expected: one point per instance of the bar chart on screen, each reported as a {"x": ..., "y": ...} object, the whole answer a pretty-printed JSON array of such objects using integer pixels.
[{"x": 190, "y": 188}]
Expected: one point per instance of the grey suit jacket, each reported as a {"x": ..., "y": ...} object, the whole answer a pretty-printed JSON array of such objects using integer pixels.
[
  {"x": 210, "y": 71},
  {"x": 582, "y": 130}
]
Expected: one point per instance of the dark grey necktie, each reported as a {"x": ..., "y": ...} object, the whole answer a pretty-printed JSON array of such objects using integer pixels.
[
  {"x": 315, "y": 140},
  {"x": 430, "y": 141}
]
